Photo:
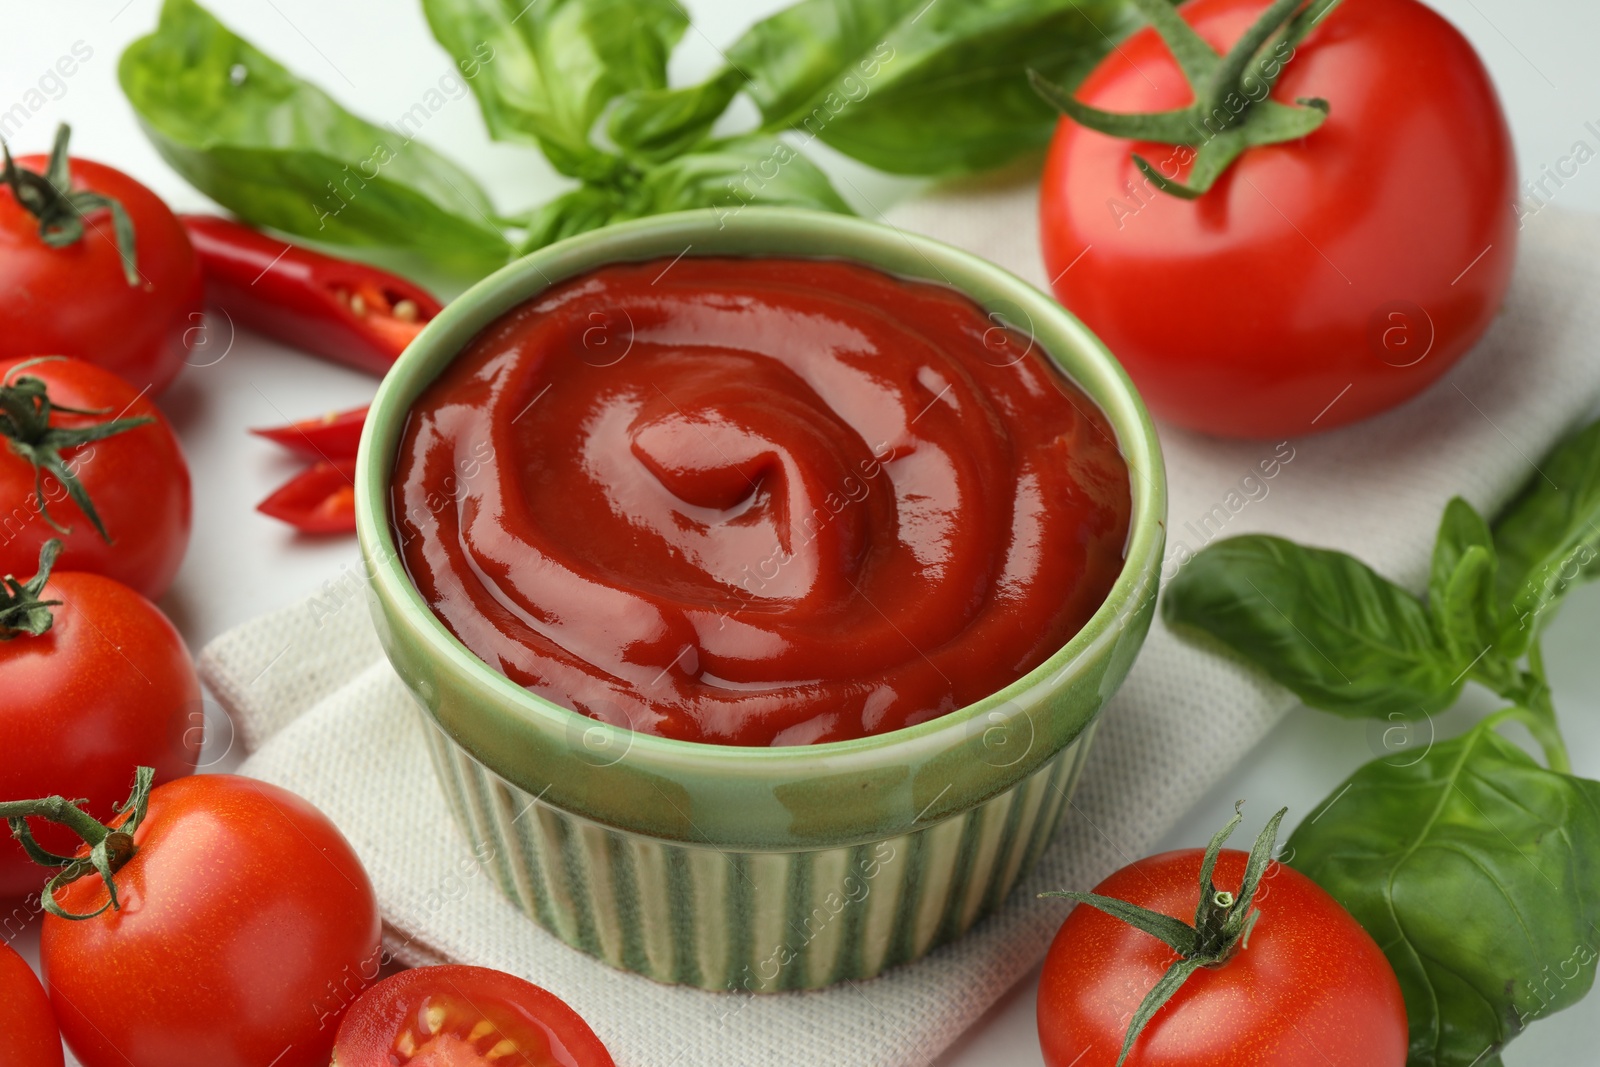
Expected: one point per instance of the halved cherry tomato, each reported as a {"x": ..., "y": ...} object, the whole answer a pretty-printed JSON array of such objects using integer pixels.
[
  {"x": 458, "y": 1016},
  {"x": 319, "y": 500},
  {"x": 330, "y": 437},
  {"x": 348, "y": 312},
  {"x": 28, "y": 1034}
]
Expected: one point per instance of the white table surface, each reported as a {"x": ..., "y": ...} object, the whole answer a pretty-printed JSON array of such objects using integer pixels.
[{"x": 376, "y": 56}]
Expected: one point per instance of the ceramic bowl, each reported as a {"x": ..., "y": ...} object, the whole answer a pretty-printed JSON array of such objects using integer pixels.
[{"x": 760, "y": 868}]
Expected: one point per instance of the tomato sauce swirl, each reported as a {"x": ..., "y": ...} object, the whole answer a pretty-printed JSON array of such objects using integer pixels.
[{"x": 758, "y": 501}]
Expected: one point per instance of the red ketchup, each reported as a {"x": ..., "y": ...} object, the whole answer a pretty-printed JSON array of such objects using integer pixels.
[{"x": 758, "y": 501}]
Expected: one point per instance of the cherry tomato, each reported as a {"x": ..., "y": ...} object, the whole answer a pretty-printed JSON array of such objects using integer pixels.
[
  {"x": 319, "y": 500},
  {"x": 1319, "y": 280},
  {"x": 77, "y": 301},
  {"x": 109, "y": 687},
  {"x": 464, "y": 1017},
  {"x": 1310, "y": 988},
  {"x": 246, "y": 927},
  {"x": 332, "y": 437},
  {"x": 28, "y": 1034},
  {"x": 136, "y": 481}
]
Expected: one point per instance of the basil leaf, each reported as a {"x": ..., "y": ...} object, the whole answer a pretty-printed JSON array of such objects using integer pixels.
[
  {"x": 1475, "y": 869},
  {"x": 735, "y": 173},
  {"x": 554, "y": 65},
  {"x": 1341, "y": 636},
  {"x": 1464, "y": 615},
  {"x": 1461, "y": 595},
  {"x": 279, "y": 152},
  {"x": 1548, "y": 538},
  {"x": 585, "y": 208},
  {"x": 913, "y": 87},
  {"x": 1460, "y": 529},
  {"x": 657, "y": 124},
  {"x": 724, "y": 175}
]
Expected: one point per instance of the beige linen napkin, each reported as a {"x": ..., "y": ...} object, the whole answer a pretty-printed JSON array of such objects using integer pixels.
[{"x": 326, "y": 717}]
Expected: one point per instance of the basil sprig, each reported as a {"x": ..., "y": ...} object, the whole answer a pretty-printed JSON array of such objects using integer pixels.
[
  {"x": 903, "y": 85},
  {"x": 277, "y": 151},
  {"x": 1475, "y": 868},
  {"x": 917, "y": 88}
]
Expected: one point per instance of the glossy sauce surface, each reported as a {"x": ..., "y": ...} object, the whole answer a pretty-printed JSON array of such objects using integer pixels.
[{"x": 758, "y": 501}]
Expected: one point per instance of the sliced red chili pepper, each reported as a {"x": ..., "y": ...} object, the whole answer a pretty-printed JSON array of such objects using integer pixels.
[
  {"x": 319, "y": 500},
  {"x": 331, "y": 437},
  {"x": 348, "y": 312}
]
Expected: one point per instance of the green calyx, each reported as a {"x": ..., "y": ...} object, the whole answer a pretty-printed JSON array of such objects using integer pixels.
[
  {"x": 1222, "y": 920},
  {"x": 62, "y": 210},
  {"x": 25, "y": 410},
  {"x": 21, "y": 610},
  {"x": 1231, "y": 110},
  {"x": 109, "y": 847}
]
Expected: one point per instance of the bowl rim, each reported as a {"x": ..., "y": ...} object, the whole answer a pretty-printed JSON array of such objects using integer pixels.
[{"x": 1096, "y": 372}]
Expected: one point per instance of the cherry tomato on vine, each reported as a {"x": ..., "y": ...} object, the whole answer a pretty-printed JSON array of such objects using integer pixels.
[
  {"x": 94, "y": 266},
  {"x": 1276, "y": 973},
  {"x": 243, "y": 927},
  {"x": 90, "y": 462},
  {"x": 96, "y": 684},
  {"x": 28, "y": 1034},
  {"x": 458, "y": 1016},
  {"x": 1322, "y": 278}
]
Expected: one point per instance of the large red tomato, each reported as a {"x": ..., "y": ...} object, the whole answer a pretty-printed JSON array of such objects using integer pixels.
[
  {"x": 1319, "y": 280},
  {"x": 28, "y": 1034},
  {"x": 464, "y": 1017},
  {"x": 77, "y": 300},
  {"x": 108, "y": 688},
  {"x": 1310, "y": 988},
  {"x": 246, "y": 927},
  {"x": 136, "y": 480}
]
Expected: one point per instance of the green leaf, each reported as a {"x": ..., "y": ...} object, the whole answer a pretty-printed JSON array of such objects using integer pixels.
[
  {"x": 1461, "y": 595},
  {"x": 1464, "y": 615},
  {"x": 726, "y": 176},
  {"x": 543, "y": 71},
  {"x": 1478, "y": 872},
  {"x": 1548, "y": 538},
  {"x": 585, "y": 208},
  {"x": 279, "y": 152},
  {"x": 736, "y": 173},
  {"x": 914, "y": 87},
  {"x": 1341, "y": 636},
  {"x": 656, "y": 124},
  {"x": 1461, "y": 528}
]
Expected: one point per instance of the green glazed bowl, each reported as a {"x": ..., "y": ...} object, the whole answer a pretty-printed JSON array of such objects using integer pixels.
[{"x": 759, "y": 868}]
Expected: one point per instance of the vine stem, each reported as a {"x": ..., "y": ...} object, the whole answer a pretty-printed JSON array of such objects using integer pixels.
[
  {"x": 1539, "y": 714},
  {"x": 108, "y": 847}
]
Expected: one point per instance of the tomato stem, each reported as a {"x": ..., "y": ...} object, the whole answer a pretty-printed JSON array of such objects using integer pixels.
[
  {"x": 1231, "y": 111},
  {"x": 110, "y": 847},
  {"x": 62, "y": 210},
  {"x": 25, "y": 412},
  {"x": 1222, "y": 924},
  {"x": 21, "y": 610}
]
